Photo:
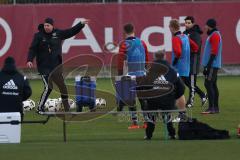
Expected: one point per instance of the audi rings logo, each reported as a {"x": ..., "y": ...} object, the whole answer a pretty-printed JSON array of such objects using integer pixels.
[
  {"x": 238, "y": 31},
  {"x": 8, "y": 41}
]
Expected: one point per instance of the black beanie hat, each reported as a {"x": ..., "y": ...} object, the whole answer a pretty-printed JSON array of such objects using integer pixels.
[
  {"x": 9, "y": 60},
  {"x": 211, "y": 23},
  {"x": 49, "y": 20},
  {"x": 9, "y": 66}
]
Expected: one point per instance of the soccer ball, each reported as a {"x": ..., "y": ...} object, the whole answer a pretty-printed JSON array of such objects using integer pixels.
[
  {"x": 97, "y": 102},
  {"x": 71, "y": 102},
  {"x": 28, "y": 105},
  {"x": 52, "y": 105},
  {"x": 103, "y": 102},
  {"x": 100, "y": 102}
]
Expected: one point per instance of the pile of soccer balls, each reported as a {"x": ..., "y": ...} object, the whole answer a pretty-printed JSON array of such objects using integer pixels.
[
  {"x": 54, "y": 105},
  {"x": 51, "y": 105}
]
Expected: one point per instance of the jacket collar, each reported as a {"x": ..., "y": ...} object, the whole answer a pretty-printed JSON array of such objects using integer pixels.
[
  {"x": 210, "y": 32},
  {"x": 177, "y": 33}
]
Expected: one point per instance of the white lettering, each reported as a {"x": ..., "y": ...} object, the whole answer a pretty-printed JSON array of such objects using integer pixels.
[
  {"x": 110, "y": 45},
  {"x": 89, "y": 41},
  {"x": 167, "y": 41},
  {"x": 10, "y": 93},
  {"x": 182, "y": 22},
  {"x": 238, "y": 31},
  {"x": 8, "y": 32}
]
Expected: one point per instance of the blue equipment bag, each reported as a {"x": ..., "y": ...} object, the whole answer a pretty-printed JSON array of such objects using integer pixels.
[
  {"x": 85, "y": 92},
  {"x": 125, "y": 90}
]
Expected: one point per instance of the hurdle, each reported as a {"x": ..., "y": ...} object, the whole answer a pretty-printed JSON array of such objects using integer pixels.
[
  {"x": 15, "y": 122},
  {"x": 74, "y": 114}
]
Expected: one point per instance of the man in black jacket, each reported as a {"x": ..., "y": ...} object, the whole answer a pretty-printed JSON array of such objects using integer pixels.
[
  {"x": 165, "y": 92},
  {"x": 14, "y": 88},
  {"x": 194, "y": 32},
  {"x": 47, "y": 48}
]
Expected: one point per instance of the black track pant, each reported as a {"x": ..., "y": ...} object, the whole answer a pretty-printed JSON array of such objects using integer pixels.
[
  {"x": 48, "y": 80},
  {"x": 133, "y": 108},
  {"x": 212, "y": 89},
  {"x": 191, "y": 83},
  {"x": 151, "y": 124}
]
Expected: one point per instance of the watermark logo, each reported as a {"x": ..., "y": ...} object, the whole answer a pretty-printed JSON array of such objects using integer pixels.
[{"x": 82, "y": 90}]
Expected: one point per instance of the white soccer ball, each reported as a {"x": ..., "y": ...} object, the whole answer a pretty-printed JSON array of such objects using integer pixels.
[
  {"x": 58, "y": 104},
  {"x": 100, "y": 102},
  {"x": 52, "y": 105},
  {"x": 59, "y": 101},
  {"x": 103, "y": 102},
  {"x": 28, "y": 105},
  {"x": 97, "y": 102},
  {"x": 71, "y": 102}
]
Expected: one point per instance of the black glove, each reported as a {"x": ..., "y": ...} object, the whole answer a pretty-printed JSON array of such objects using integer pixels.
[
  {"x": 175, "y": 61},
  {"x": 210, "y": 62},
  {"x": 209, "y": 65}
]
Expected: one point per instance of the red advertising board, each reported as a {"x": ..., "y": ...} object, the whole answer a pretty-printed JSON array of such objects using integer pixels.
[{"x": 18, "y": 23}]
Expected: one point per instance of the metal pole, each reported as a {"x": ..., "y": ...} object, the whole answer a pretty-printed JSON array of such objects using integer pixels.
[
  {"x": 16, "y": 122},
  {"x": 64, "y": 130},
  {"x": 165, "y": 121},
  {"x": 14, "y": 2}
]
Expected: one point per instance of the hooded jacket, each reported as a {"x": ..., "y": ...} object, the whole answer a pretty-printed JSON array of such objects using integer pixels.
[
  {"x": 47, "y": 47},
  {"x": 14, "y": 88},
  {"x": 194, "y": 34}
]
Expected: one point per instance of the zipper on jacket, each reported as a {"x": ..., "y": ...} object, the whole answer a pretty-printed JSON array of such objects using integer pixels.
[{"x": 49, "y": 49}]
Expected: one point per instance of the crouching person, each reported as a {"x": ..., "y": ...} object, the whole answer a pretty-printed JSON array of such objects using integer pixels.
[
  {"x": 14, "y": 88},
  {"x": 161, "y": 74}
]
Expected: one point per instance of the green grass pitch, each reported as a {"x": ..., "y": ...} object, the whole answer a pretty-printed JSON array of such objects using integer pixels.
[{"x": 108, "y": 139}]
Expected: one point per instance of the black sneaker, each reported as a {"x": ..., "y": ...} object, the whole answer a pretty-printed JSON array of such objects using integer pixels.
[
  {"x": 94, "y": 109},
  {"x": 216, "y": 109},
  {"x": 172, "y": 137},
  {"x": 190, "y": 101},
  {"x": 209, "y": 111},
  {"x": 183, "y": 117},
  {"x": 147, "y": 138},
  {"x": 40, "y": 110},
  {"x": 204, "y": 100},
  {"x": 189, "y": 104}
]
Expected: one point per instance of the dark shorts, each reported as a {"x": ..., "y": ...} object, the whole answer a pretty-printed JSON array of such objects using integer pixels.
[{"x": 161, "y": 104}]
